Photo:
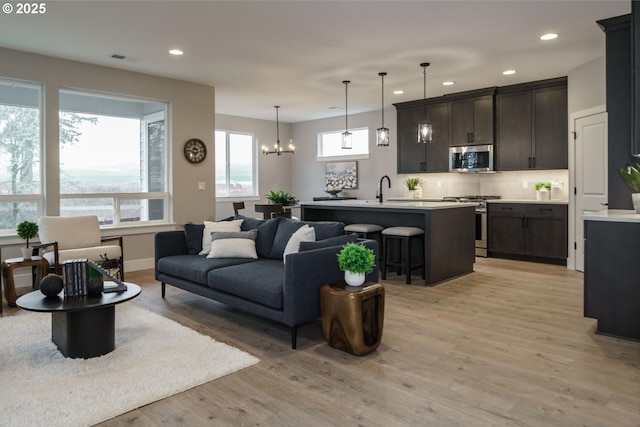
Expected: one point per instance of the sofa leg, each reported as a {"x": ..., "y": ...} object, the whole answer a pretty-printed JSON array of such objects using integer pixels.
[
  {"x": 163, "y": 288},
  {"x": 294, "y": 337}
]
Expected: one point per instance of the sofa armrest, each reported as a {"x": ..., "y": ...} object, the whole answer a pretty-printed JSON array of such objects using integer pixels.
[
  {"x": 306, "y": 272},
  {"x": 169, "y": 243}
]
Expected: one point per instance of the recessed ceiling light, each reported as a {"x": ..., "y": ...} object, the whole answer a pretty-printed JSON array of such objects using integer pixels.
[
  {"x": 176, "y": 52},
  {"x": 549, "y": 36},
  {"x": 398, "y": 92},
  {"x": 509, "y": 72},
  {"x": 449, "y": 83}
]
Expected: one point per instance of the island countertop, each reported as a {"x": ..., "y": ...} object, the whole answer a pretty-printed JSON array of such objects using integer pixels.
[
  {"x": 612, "y": 215},
  {"x": 375, "y": 204}
]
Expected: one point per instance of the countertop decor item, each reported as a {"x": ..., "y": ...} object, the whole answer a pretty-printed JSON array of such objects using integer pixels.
[
  {"x": 27, "y": 230},
  {"x": 631, "y": 176},
  {"x": 277, "y": 148},
  {"x": 356, "y": 260},
  {"x": 543, "y": 191},
  {"x": 333, "y": 191}
]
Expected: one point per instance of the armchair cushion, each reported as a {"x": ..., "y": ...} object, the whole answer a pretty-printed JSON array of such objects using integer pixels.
[
  {"x": 70, "y": 232},
  {"x": 95, "y": 253}
]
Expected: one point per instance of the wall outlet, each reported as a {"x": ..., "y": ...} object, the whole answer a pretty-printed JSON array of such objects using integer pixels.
[
  {"x": 525, "y": 184},
  {"x": 202, "y": 186},
  {"x": 439, "y": 184}
]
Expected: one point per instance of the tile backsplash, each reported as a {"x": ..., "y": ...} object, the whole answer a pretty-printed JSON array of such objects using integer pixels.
[{"x": 519, "y": 185}]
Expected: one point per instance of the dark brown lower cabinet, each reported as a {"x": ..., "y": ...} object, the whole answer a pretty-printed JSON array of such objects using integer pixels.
[
  {"x": 611, "y": 272},
  {"x": 537, "y": 232}
]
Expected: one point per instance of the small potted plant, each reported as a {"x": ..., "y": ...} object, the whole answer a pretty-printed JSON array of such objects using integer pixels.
[
  {"x": 281, "y": 198},
  {"x": 356, "y": 260},
  {"x": 543, "y": 190},
  {"x": 27, "y": 230},
  {"x": 631, "y": 176},
  {"x": 413, "y": 185}
]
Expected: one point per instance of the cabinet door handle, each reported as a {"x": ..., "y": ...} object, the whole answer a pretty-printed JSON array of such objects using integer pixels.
[
  {"x": 506, "y": 209},
  {"x": 529, "y": 162},
  {"x": 472, "y": 136},
  {"x": 534, "y": 162}
]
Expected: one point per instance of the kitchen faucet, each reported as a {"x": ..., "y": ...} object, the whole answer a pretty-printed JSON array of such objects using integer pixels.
[{"x": 382, "y": 179}]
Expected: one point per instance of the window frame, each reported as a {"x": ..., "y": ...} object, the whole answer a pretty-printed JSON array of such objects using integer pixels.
[
  {"x": 119, "y": 197},
  {"x": 254, "y": 168},
  {"x": 357, "y": 156},
  {"x": 37, "y": 197}
]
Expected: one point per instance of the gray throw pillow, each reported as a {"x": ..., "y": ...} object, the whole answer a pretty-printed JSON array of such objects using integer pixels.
[
  {"x": 193, "y": 238},
  {"x": 266, "y": 232},
  {"x": 327, "y": 243}
]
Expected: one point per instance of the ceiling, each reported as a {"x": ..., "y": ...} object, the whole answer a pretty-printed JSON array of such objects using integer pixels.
[{"x": 296, "y": 54}]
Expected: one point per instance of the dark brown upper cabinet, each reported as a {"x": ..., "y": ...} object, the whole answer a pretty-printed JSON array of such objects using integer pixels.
[
  {"x": 472, "y": 118},
  {"x": 532, "y": 126}
]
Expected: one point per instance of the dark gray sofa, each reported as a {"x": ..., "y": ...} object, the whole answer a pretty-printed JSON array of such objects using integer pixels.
[{"x": 287, "y": 292}]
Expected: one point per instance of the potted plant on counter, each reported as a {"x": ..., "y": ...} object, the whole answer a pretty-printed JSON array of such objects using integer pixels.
[
  {"x": 281, "y": 198},
  {"x": 543, "y": 191},
  {"x": 27, "y": 230},
  {"x": 356, "y": 261},
  {"x": 631, "y": 176},
  {"x": 413, "y": 185}
]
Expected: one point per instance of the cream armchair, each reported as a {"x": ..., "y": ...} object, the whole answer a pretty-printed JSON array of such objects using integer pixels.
[{"x": 67, "y": 238}]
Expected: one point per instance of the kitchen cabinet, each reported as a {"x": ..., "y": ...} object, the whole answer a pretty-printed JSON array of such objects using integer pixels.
[
  {"x": 532, "y": 126},
  {"x": 472, "y": 118},
  {"x": 414, "y": 157},
  {"x": 611, "y": 271},
  {"x": 533, "y": 231}
]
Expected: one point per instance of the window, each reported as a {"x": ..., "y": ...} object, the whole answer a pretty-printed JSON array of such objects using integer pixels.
[
  {"x": 235, "y": 164},
  {"x": 20, "y": 147},
  {"x": 330, "y": 145},
  {"x": 113, "y": 155}
]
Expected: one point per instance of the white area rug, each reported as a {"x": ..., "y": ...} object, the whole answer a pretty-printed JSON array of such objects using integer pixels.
[{"x": 154, "y": 358}]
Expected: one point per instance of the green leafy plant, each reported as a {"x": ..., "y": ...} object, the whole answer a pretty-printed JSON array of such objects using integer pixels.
[
  {"x": 631, "y": 176},
  {"x": 541, "y": 185},
  {"x": 412, "y": 183},
  {"x": 27, "y": 230},
  {"x": 280, "y": 197},
  {"x": 356, "y": 258}
]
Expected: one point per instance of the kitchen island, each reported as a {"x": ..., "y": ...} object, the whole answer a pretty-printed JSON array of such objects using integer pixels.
[
  {"x": 449, "y": 229},
  {"x": 611, "y": 271}
]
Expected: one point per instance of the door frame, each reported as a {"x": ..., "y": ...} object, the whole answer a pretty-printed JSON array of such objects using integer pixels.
[{"x": 573, "y": 117}]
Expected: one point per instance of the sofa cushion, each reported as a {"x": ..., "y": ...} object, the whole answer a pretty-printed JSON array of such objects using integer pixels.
[
  {"x": 210, "y": 227},
  {"x": 193, "y": 238},
  {"x": 266, "y": 232},
  {"x": 331, "y": 241},
  {"x": 286, "y": 228},
  {"x": 303, "y": 234},
  {"x": 195, "y": 268},
  {"x": 240, "y": 244},
  {"x": 263, "y": 283}
]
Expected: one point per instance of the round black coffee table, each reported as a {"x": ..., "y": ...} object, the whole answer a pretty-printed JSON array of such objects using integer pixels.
[{"x": 81, "y": 327}]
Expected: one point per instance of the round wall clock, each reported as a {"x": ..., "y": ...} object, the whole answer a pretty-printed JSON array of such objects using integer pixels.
[{"x": 195, "y": 151}]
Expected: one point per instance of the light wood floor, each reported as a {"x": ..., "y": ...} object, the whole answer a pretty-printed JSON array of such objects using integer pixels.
[{"x": 505, "y": 346}]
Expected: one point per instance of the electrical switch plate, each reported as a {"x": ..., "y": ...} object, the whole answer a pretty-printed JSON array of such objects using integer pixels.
[
  {"x": 202, "y": 186},
  {"x": 439, "y": 185},
  {"x": 525, "y": 184}
]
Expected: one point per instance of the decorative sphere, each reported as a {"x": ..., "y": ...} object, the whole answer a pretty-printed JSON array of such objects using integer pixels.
[
  {"x": 95, "y": 286},
  {"x": 51, "y": 285}
]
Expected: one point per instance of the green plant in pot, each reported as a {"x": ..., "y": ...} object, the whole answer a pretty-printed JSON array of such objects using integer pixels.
[
  {"x": 281, "y": 198},
  {"x": 543, "y": 190},
  {"x": 413, "y": 185},
  {"x": 631, "y": 176},
  {"x": 27, "y": 230},
  {"x": 356, "y": 260}
]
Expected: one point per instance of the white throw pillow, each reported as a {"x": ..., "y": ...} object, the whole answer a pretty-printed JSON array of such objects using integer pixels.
[
  {"x": 233, "y": 244},
  {"x": 303, "y": 234},
  {"x": 210, "y": 227}
]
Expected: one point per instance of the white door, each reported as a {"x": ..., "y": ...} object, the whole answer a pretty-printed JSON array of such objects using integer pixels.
[{"x": 590, "y": 173}]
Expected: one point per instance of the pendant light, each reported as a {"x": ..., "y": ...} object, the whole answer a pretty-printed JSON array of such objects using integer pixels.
[
  {"x": 347, "y": 142},
  {"x": 382, "y": 134},
  {"x": 277, "y": 148},
  {"x": 425, "y": 131}
]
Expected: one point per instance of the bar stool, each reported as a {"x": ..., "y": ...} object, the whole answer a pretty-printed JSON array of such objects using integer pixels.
[
  {"x": 404, "y": 236},
  {"x": 366, "y": 231}
]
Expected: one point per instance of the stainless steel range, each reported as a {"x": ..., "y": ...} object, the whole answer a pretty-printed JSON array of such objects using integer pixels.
[{"x": 481, "y": 218}]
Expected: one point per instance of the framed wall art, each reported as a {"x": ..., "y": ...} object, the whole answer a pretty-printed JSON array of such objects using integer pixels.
[{"x": 341, "y": 174}]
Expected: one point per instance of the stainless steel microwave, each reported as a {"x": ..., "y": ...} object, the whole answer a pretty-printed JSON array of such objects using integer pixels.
[{"x": 471, "y": 158}]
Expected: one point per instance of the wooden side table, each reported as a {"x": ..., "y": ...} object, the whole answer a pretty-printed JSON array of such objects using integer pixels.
[
  {"x": 39, "y": 267},
  {"x": 352, "y": 320}
]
